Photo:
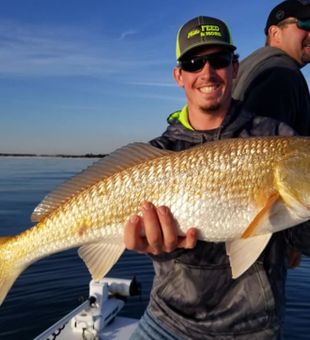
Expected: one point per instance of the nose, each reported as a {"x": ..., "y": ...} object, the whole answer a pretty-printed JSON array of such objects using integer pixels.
[{"x": 207, "y": 68}]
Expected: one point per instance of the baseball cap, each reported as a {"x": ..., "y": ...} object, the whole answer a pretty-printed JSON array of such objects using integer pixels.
[
  {"x": 202, "y": 31},
  {"x": 299, "y": 9}
]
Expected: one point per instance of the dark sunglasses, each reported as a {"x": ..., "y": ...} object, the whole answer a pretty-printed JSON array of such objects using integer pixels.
[
  {"x": 302, "y": 24},
  {"x": 215, "y": 60}
]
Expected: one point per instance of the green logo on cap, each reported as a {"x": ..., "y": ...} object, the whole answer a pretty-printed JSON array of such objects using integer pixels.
[{"x": 205, "y": 31}]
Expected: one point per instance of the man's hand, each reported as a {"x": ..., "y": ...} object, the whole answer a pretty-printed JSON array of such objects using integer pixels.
[{"x": 160, "y": 232}]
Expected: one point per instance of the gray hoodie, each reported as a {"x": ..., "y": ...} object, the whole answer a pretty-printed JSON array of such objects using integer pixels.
[
  {"x": 193, "y": 293},
  {"x": 270, "y": 83}
]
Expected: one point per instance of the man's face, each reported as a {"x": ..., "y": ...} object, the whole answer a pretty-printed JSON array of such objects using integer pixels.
[
  {"x": 295, "y": 42},
  {"x": 208, "y": 89}
]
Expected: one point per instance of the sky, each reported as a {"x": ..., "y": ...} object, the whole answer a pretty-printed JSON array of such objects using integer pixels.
[{"x": 88, "y": 76}]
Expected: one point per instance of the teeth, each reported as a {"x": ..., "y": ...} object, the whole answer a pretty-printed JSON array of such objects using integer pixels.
[{"x": 208, "y": 89}]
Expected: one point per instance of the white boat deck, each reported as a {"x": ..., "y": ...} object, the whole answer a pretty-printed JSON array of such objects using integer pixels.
[
  {"x": 120, "y": 329},
  {"x": 97, "y": 318}
]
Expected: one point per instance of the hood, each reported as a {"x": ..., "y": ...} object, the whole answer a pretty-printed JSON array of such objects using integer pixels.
[
  {"x": 257, "y": 62},
  {"x": 235, "y": 121}
]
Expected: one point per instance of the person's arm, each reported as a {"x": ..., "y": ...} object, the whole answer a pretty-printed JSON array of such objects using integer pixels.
[
  {"x": 299, "y": 238},
  {"x": 156, "y": 232}
]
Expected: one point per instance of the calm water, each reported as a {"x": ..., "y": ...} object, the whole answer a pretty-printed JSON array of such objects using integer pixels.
[{"x": 51, "y": 287}]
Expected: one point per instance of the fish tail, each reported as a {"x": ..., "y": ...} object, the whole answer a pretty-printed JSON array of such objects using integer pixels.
[{"x": 9, "y": 271}]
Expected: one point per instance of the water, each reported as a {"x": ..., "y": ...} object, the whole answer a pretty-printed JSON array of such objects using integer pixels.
[{"x": 50, "y": 288}]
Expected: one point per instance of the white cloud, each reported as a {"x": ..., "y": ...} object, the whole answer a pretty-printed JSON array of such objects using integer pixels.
[
  {"x": 28, "y": 50},
  {"x": 154, "y": 84},
  {"x": 127, "y": 33}
]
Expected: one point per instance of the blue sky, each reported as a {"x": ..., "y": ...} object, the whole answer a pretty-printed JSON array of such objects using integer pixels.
[{"x": 87, "y": 76}]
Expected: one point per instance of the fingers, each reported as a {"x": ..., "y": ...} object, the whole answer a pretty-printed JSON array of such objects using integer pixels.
[
  {"x": 152, "y": 228},
  {"x": 168, "y": 228},
  {"x": 143, "y": 234},
  {"x": 190, "y": 240},
  {"x": 132, "y": 235},
  {"x": 160, "y": 230},
  {"x": 171, "y": 240}
]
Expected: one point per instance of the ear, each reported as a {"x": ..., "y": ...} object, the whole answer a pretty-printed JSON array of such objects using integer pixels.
[
  {"x": 177, "y": 74},
  {"x": 274, "y": 35}
]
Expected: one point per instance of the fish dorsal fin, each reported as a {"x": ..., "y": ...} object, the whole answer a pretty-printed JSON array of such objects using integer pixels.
[
  {"x": 244, "y": 252},
  {"x": 100, "y": 257},
  {"x": 122, "y": 158}
]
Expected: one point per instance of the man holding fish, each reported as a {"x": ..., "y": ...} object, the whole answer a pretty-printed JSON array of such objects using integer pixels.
[{"x": 194, "y": 295}]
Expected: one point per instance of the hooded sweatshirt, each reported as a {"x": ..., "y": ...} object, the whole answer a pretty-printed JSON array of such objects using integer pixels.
[
  {"x": 270, "y": 83},
  {"x": 193, "y": 294}
]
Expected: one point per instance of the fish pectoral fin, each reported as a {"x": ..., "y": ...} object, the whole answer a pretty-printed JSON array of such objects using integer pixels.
[
  {"x": 100, "y": 257},
  {"x": 292, "y": 179},
  {"x": 244, "y": 252},
  {"x": 261, "y": 216}
]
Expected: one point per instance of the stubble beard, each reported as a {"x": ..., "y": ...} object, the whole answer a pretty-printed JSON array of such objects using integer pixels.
[
  {"x": 305, "y": 58},
  {"x": 213, "y": 107}
]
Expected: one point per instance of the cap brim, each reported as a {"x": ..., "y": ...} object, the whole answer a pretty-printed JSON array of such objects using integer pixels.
[
  {"x": 305, "y": 15},
  {"x": 207, "y": 44}
]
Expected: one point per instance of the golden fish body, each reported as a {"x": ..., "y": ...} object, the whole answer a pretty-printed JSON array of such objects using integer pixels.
[{"x": 237, "y": 191}]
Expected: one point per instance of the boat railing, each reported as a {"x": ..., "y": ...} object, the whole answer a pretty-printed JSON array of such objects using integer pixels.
[{"x": 106, "y": 299}]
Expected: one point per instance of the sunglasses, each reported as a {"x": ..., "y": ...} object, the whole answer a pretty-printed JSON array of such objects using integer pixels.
[
  {"x": 302, "y": 24},
  {"x": 215, "y": 60}
]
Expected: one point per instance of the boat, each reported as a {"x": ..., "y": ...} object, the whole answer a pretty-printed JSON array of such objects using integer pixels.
[{"x": 97, "y": 317}]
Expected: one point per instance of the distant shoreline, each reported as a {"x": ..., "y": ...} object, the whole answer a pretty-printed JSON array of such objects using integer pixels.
[{"x": 88, "y": 155}]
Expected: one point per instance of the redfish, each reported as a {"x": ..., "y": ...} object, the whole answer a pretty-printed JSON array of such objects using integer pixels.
[{"x": 237, "y": 191}]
